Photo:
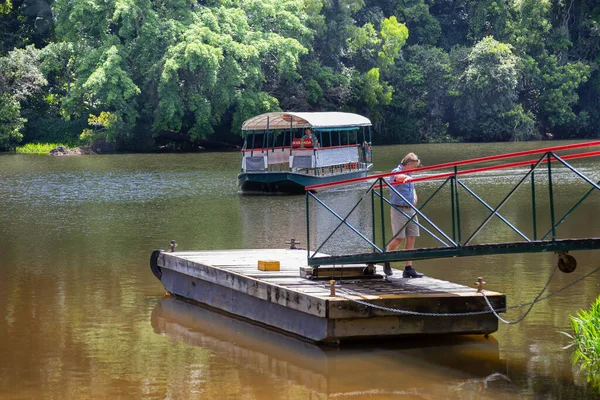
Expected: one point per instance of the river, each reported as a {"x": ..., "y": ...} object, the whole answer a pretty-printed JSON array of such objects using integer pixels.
[{"x": 82, "y": 316}]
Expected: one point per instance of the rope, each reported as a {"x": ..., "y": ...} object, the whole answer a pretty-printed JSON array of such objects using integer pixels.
[{"x": 491, "y": 310}]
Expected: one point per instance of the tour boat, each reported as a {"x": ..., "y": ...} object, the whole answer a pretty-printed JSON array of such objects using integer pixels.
[{"x": 279, "y": 157}]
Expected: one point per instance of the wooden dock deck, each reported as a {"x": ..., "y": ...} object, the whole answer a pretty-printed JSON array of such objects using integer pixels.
[{"x": 229, "y": 280}]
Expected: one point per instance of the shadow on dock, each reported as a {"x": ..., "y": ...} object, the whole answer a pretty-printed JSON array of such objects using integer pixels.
[{"x": 433, "y": 367}]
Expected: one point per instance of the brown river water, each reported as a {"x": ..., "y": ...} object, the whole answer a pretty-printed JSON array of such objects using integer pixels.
[{"x": 82, "y": 316}]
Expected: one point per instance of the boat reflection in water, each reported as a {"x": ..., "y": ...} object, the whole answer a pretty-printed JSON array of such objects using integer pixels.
[{"x": 442, "y": 367}]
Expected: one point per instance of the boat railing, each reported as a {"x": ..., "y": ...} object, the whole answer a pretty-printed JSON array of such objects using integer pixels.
[
  {"x": 457, "y": 233},
  {"x": 333, "y": 169},
  {"x": 317, "y": 161}
]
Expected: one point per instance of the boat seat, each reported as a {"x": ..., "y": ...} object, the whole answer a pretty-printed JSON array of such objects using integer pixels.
[
  {"x": 302, "y": 162},
  {"x": 255, "y": 163}
]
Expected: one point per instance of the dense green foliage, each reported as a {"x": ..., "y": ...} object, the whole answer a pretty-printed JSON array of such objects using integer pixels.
[
  {"x": 37, "y": 148},
  {"x": 140, "y": 74},
  {"x": 586, "y": 339}
]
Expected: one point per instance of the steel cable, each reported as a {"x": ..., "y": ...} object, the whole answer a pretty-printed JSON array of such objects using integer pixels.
[{"x": 491, "y": 310}]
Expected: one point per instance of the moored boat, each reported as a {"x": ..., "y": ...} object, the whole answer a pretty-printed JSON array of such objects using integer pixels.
[{"x": 284, "y": 152}]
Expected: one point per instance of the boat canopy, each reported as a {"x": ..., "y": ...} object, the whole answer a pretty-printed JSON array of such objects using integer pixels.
[{"x": 321, "y": 121}]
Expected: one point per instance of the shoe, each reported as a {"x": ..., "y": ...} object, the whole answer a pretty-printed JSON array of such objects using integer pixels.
[
  {"x": 410, "y": 272},
  {"x": 387, "y": 268}
]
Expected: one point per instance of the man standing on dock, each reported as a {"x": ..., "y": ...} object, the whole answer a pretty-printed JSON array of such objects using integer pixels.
[{"x": 408, "y": 196}]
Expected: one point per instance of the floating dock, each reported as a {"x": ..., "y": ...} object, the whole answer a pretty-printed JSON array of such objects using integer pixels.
[{"x": 301, "y": 301}]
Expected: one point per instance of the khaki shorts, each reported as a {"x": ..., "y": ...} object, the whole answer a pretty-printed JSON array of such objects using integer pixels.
[{"x": 398, "y": 221}]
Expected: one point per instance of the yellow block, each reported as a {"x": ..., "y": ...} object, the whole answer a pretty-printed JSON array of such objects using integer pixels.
[{"x": 268, "y": 265}]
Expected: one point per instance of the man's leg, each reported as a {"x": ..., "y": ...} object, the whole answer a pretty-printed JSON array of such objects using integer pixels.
[
  {"x": 412, "y": 231},
  {"x": 409, "y": 271},
  {"x": 394, "y": 244},
  {"x": 409, "y": 245},
  {"x": 399, "y": 230}
]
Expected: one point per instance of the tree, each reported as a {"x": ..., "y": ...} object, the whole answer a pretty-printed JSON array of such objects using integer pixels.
[
  {"x": 425, "y": 79},
  {"x": 24, "y": 22},
  {"x": 20, "y": 75},
  {"x": 373, "y": 55},
  {"x": 20, "y": 78},
  {"x": 11, "y": 122},
  {"x": 487, "y": 107},
  {"x": 551, "y": 80},
  {"x": 179, "y": 70},
  {"x": 424, "y": 28}
]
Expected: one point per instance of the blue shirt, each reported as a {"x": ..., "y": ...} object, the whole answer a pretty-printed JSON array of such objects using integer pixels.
[{"x": 406, "y": 189}]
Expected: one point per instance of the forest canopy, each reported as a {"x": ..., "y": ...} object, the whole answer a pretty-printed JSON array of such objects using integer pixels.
[{"x": 143, "y": 74}]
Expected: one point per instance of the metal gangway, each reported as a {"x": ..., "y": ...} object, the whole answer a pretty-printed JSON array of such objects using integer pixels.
[{"x": 458, "y": 241}]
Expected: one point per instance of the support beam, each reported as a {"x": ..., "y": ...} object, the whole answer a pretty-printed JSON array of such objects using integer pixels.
[{"x": 562, "y": 245}]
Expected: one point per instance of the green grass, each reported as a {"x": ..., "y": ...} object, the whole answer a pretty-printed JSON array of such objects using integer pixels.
[
  {"x": 37, "y": 148},
  {"x": 586, "y": 339}
]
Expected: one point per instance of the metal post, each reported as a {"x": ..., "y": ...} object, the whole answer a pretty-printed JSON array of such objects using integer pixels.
[
  {"x": 479, "y": 284},
  {"x": 549, "y": 159},
  {"x": 373, "y": 215},
  {"x": 459, "y": 242},
  {"x": 283, "y": 140},
  {"x": 291, "y": 136},
  {"x": 267, "y": 142},
  {"x": 533, "y": 209},
  {"x": 383, "y": 246},
  {"x": 452, "y": 208},
  {"x": 307, "y": 227},
  {"x": 274, "y": 140},
  {"x": 244, "y": 150}
]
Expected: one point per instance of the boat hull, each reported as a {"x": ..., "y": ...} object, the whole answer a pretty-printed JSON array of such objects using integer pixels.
[{"x": 286, "y": 182}]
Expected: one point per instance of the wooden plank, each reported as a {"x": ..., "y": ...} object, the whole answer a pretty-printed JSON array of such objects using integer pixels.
[
  {"x": 247, "y": 285},
  {"x": 428, "y": 303},
  {"x": 412, "y": 325},
  {"x": 287, "y": 280},
  {"x": 250, "y": 307}
]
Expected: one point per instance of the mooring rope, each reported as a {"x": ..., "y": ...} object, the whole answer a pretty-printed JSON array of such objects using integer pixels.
[{"x": 537, "y": 299}]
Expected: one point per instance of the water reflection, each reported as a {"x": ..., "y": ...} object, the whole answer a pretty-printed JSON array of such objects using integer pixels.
[{"x": 451, "y": 368}]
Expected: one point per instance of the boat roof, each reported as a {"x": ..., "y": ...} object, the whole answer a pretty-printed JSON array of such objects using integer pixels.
[{"x": 316, "y": 120}]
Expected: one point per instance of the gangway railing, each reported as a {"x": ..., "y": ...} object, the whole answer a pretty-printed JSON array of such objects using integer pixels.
[{"x": 457, "y": 242}]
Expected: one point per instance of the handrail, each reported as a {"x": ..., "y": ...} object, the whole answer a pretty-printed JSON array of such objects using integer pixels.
[
  {"x": 452, "y": 243},
  {"x": 469, "y": 161},
  {"x": 492, "y": 168}
]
